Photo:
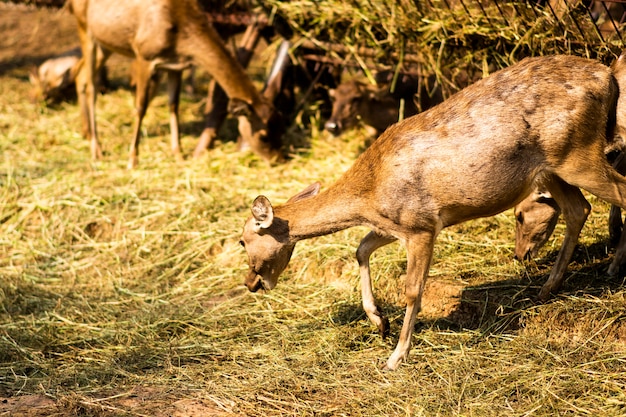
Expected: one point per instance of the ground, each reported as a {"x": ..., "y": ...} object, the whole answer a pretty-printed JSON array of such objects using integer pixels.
[
  {"x": 121, "y": 291},
  {"x": 29, "y": 37}
]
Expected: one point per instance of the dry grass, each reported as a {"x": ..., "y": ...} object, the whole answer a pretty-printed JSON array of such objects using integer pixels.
[
  {"x": 120, "y": 292},
  {"x": 458, "y": 41}
]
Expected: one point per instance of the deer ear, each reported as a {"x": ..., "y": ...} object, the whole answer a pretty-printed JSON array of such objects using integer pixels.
[
  {"x": 308, "y": 192},
  {"x": 262, "y": 212},
  {"x": 543, "y": 197}
]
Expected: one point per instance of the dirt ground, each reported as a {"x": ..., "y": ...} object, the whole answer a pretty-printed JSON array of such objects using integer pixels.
[{"x": 29, "y": 37}]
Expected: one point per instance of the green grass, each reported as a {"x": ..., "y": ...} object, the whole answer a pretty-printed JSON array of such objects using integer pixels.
[{"x": 121, "y": 291}]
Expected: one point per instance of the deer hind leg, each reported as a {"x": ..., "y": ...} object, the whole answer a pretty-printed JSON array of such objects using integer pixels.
[
  {"x": 575, "y": 210},
  {"x": 616, "y": 226},
  {"x": 419, "y": 252},
  {"x": 146, "y": 82},
  {"x": 599, "y": 178},
  {"x": 370, "y": 243},
  {"x": 174, "y": 81}
]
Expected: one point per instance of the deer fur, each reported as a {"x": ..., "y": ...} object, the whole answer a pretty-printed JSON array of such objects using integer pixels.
[
  {"x": 475, "y": 155},
  {"x": 162, "y": 35}
]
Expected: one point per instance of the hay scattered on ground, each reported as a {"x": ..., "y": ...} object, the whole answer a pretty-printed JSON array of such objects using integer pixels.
[{"x": 120, "y": 292}]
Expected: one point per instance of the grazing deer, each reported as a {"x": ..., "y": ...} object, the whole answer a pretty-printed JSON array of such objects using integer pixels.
[
  {"x": 164, "y": 35},
  {"x": 375, "y": 107},
  {"x": 477, "y": 154},
  {"x": 537, "y": 215},
  {"x": 55, "y": 77}
]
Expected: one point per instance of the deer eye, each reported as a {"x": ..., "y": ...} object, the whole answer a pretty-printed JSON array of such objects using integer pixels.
[
  {"x": 520, "y": 218},
  {"x": 242, "y": 243}
]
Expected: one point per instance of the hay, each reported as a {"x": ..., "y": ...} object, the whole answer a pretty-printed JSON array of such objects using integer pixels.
[
  {"x": 457, "y": 41},
  {"x": 120, "y": 292}
]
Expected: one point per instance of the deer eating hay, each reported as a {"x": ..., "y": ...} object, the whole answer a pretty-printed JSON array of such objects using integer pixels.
[
  {"x": 475, "y": 155},
  {"x": 164, "y": 35}
]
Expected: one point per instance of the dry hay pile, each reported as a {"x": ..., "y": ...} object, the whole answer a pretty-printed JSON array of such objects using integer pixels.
[{"x": 458, "y": 40}]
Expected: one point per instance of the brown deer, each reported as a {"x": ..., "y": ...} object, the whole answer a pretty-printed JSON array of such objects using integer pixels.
[
  {"x": 537, "y": 215},
  {"x": 163, "y": 35},
  {"x": 54, "y": 80},
  {"x": 55, "y": 76},
  {"x": 477, "y": 154},
  {"x": 377, "y": 107}
]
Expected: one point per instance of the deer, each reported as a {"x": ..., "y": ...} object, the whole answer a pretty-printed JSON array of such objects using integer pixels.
[
  {"x": 55, "y": 76},
  {"x": 53, "y": 80},
  {"x": 537, "y": 215},
  {"x": 163, "y": 35},
  {"x": 377, "y": 107},
  {"x": 482, "y": 151}
]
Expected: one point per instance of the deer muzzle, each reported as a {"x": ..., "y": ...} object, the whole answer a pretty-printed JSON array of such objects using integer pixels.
[{"x": 254, "y": 281}]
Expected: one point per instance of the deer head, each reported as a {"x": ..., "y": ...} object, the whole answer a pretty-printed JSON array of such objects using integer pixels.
[
  {"x": 535, "y": 219},
  {"x": 267, "y": 241}
]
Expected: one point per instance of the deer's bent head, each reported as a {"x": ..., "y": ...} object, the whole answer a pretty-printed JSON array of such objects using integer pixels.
[
  {"x": 268, "y": 242},
  {"x": 535, "y": 219},
  {"x": 260, "y": 128}
]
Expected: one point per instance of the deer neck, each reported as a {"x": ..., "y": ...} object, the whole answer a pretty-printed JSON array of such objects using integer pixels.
[
  {"x": 201, "y": 42},
  {"x": 325, "y": 213}
]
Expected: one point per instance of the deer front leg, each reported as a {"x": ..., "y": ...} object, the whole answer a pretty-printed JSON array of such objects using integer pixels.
[
  {"x": 174, "y": 80},
  {"x": 371, "y": 242},
  {"x": 146, "y": 83},
  {"x": 215, "y": 113},
  {"x": 89, "y": 93},
  {"x": 575, "y": 211},
  {"x": 81, "y": 95},
  {"x": 419, "y": 252}
]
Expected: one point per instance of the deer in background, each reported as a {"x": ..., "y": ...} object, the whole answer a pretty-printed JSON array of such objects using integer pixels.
[
  {"x": 477, "y": 154},
  {"x": 163, "y": 35},
  {"x": 56, "y": 76},
  {"x": 377, "y": 107}
]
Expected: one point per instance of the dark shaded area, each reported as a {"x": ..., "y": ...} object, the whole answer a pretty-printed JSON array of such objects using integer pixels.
[{"x": 497, "y": 307}]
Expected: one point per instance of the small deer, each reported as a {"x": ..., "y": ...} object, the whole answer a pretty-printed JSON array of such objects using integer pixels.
[
  {"x": 53, "y": 80},
  {"x": 477, "y": 154},
  {"x": 536, "y": 216},
  {"x": 55, "y": 76},
  {"x": 376, "y": 107},
  {"x": 163, "y": 35}
]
